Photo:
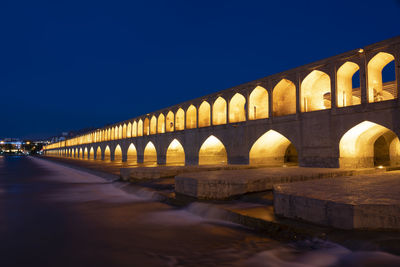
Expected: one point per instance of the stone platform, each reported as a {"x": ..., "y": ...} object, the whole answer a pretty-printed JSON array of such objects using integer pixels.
[
  {"x": 228, "y": 183},
  {"x": 137, "y": 173},
  {"x": 363, "y": 202}
]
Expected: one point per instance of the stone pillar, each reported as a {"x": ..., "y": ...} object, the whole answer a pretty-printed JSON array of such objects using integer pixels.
[
  {"x": 197, "y": 116},
  {"x": 211, "y": 113},
  {"x": 363, "y": 79},
  {"x": 333, "y": 76},
  {"x": 397, "y": 70},
  {"x": 140, "y": 158},
  {"x": 161, "y": 159},
  {"x": 270, "y": 103},
  {"x": 298, "y": 94}
]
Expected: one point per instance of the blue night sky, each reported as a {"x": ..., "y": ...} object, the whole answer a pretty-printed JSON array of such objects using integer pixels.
[{"x": 67, "y": 65}]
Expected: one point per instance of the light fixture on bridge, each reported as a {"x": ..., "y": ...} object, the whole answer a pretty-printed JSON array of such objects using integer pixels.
[{"x": 360, "y": 50}]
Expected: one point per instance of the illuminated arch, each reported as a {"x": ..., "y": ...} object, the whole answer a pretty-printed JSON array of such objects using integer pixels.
[
  {"x": 237, "y": 111},
  {"x": 80, "y": 155},
  {"x": 191, "y": 117},
  {"x": 175, "y": 153},
  {"x": 85, "y": 153},
  {"x": 140, "y": 128},
  {"x": 153, "y": 125},
  {"x": 364, "y": 146},
  {"x": 180, "y": 120},
  {"x": 272, "y": 148},
  {"x": 129, "y": 130},
  {"x": 284, "y": 98},
  {"x": 91, "y": 153},
  {"x": 124, "y": 135},
  {"x": 146, "y": 127},
  {"x": 118, "y": 153},
  {"x": 258, "y": 104},
  {"x": 204, "y": 114},
  {"x": 170, "y": 122},
  {"x": 98, "y": 153},
  {"x": 377, "y": 91},
  {"x": 134, "y": 129},
  {"x": 212, "y": 151},
  {"x": 107, "y": 154},
  {"x": 120, "y": 132},
  {"x": 161, "y": 123},
  {"x": 150, "y": 154},
  {"x": 112, "y": 133},
  {"x": 219, "y": 111},
  {"x": 346, "y": 95},
  {"x": 132, "y": 154},
  {"x": 315, "y": 92}
]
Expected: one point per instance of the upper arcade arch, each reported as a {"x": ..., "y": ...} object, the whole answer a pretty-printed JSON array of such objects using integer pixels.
[
  {"x": 237, "y": 111},
  {"x": 169, "y": 122},
  {"x": 315, "y": 92},
  {"x": 377, "y": 90},
  {"x": 284, "y": 98},
  {"x": 258, "y": 103},
  {"x": 346, "y": 95},
  {"x": 219, "y": 111},
  {"x": 180, "y": 120},
  {"x": 204, "y": 114},
  {"x": 191, "y": 117},
  {"x": 161, "y": 123},
  {"x": 153, "y": 125}
]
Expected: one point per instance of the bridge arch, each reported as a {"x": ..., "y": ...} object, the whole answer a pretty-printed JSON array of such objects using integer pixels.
[
  {"x": 368, "y": 144},
  {"x": 273, "y": 148},
  {"x": 153, "y": 125},
  {"x": 161, "y": 123},
  {"x": 120, "y": 132},
  {"x": 134, "y": 129},
  {"x": 346, "y": 94},
  {"x": 140, "y": 128},
  {"x": 124, "y": 133},
  {"x": 169, "y": 122},
  {"x": 146, "y": 127},
  {"x": 219, "y": 111},
  {"x": 377, "y": 90},
  {"x": 118, "y": 153},
  {"x": 129, "y": 130},
  {"x": 150, "y": 154},
  {"x": 258, "y": 103},
  {"x": 131, "y": 154},
  {"x": 91, "y": 153},
  {"x": 80, "y": 155},
  {"x": 175, "y": 153},
  {"x": 315, "y": 92},
  {"x": 180, "y": 120},
  {"x": 191, "y": 117},
  {"x": 212, "y": 151},
  {"x": 107, "y": 153},
  {"x": 237, "y": 111},
  {"x": 98, "y": 153},
  {"x": 85, "y": 153},
  {"x": 204, "y": 114},
  {"x": 284, "y": 98}
]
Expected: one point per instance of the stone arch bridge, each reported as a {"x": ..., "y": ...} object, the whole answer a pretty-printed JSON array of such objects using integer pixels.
[{"x": 342, "y": 111}]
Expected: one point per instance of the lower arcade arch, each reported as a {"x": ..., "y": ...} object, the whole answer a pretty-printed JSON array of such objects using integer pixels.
[
  {"x": 118, "y": 153},
  {"x": 272, "y": 148},
  {"x": 369, "y": 144},
  {"x": 150, "y": 154},
  {"x": 107, "y": 153},
  {"x": 98, "y": 153},
  {"x": 91, "y": 153},
  {"x": 131, "y": 154},
  {"x": 212, "y": 152},
  {"x": 175, "y": 153}
]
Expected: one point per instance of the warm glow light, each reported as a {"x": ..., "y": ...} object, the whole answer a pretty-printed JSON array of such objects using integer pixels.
[
  {"x": 344, "y": 92},
  {"x": 175, "y": 153},
  {"x": 212, "y": 152},
  {"x": 269, "y": 149},
  {"x": 150, "y": 153},
  {"x": 118, "y": 153},
  {"x": 357, "y": 144},
  {"x": 314, "y": 91},
  {"x": 219, "y": 111},
  {"x": 258, "y": 104},
  {"x": 376, "y": 91},
  {"x": 284, "y": 98},
  {"x": 237, "y": 112},
  {"x": 132, "y": 153}
]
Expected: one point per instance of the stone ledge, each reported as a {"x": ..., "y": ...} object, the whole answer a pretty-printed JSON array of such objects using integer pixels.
[{"x": 363, "y": 202}]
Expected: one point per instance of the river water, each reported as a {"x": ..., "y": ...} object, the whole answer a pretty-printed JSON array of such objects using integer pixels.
[{"x": 52, "y": 215}]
